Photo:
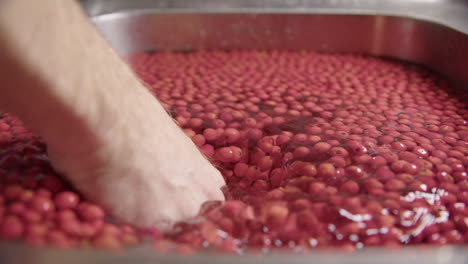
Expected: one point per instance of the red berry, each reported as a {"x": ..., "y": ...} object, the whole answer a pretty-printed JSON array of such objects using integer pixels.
[
  {"x": 90, "y": 212},
  {"x": 42, "y": 204},
  {"x": 66, "y": 200},
  {"x": 11, "y": 227}
]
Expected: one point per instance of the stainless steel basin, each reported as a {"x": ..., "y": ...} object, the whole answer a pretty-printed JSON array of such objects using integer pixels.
[
  {"x": 428, "y": 32},
  {"x": 433, "y": 33}
]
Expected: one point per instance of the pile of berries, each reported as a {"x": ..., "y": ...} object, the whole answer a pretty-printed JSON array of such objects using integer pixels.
[{"x": 317, "y": 150}]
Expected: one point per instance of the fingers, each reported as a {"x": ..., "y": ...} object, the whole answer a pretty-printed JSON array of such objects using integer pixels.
[
  {"x": 147, "y": 188},
  {"x": 213, "y": 187}
]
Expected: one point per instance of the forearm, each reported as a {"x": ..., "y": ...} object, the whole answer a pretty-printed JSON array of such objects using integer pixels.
[
  {"x": 104, "y": 130},
  {"x": 56, "y": 86}
]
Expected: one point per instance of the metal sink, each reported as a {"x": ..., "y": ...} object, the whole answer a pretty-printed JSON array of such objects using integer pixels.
[{"x": 433, "y": 33}]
